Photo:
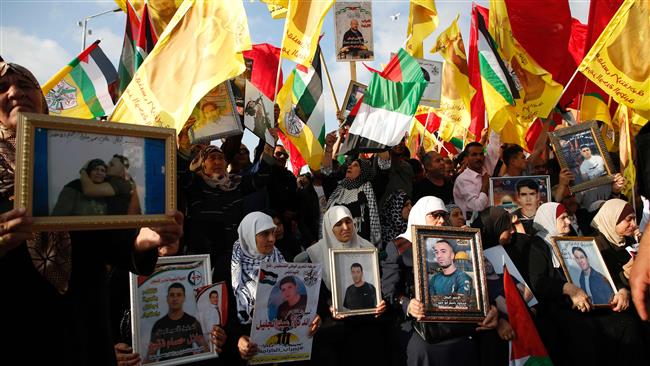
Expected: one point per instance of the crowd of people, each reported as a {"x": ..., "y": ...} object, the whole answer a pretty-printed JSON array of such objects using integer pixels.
[{"x": 66, "y": 294}]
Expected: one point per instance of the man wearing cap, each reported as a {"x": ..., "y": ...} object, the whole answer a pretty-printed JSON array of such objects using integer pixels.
[{"x": 450, "y": 280}]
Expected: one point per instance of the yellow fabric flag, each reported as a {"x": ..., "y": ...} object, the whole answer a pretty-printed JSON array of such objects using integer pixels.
[
  {"x": 423, "y": 20},
  {"x": 160, "y": 11},
  {"x": 302, "y": 29},
  {"x": 418, "y": 135},
  {"x": 457, "y": 92},
  {"x": 625, "y": 150},
  {"x": 277, "y": 8},
  {"x": 200, "y": 49},
  {"x": 619, "y": 61},
  {"x": 296, "y": 130}
]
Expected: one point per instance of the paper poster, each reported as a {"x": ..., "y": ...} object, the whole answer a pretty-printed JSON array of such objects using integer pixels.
[
  {"x": 212, "y": 306},
  {"x": 353, "y": 27},
  {"x": 432, "y": 71},
  {"x": 494, "y": 268},
  {"x": 285, "y": 305},
  {"x": 258, "y": 113}
]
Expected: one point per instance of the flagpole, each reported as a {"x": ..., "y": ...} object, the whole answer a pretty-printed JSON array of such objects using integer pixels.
[
  {"x": 277, "y": 76},
  {"x": 426, "y": 125},
  {"x": 329, "y": 81},
  {"x": 566, "y": 87}
]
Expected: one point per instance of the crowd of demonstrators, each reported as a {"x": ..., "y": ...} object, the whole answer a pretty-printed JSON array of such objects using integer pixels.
[{"x": 243, "y": 212}]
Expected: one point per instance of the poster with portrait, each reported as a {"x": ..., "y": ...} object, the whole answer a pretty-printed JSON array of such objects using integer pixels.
[
  {"x": 520, "y": 195},
  {"x": 432, "y": 71},
  {"x": 581, "y": 149},
  {"x": 285, "y": 305},
  {"x": 353, "y": 28},
  {"x": 164, "y": 315},
  {"x": 238, "y": 87},
  {"x": 212, "y": 306},
  {"x": 215, "y": 116},
  {"x": 495, "y": 258},
  {"x": 450, "y": 273},
  {"x": 355, "y": 275},
  {"x": 258, "y": 113},
  {"x": 583, "y": 265},
  {"x": 354, "y": 93}
]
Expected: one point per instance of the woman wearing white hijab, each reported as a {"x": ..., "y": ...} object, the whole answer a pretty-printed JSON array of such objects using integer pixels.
[
  {"x": 256, "y": 244},
  {"x": 358, "y": 336},
  {"x": 428, "y": 343}
]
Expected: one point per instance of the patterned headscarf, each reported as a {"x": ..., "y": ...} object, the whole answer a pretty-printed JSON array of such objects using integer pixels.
[
  {"x": 51, "y": 253},
  {"x": 392, "y": 222},
  {"x": 227, "y": 182},
  {"x": 364, "y": 176},
  {"x": 246, "y": 261}
]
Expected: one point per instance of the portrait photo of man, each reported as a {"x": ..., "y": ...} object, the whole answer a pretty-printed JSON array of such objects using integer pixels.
[
  {"x": 176, "y": 334},
  {"x": 353, "y": 39},
  {"x": 528, "y": 198},
  {"x": 360, "y": 294},
  {"x": 210, "y": 314},
  {"x": 450, "y": 279},
  {"x": 292, "y": 309},
  {"x": 595, "y": 284},
  {"x": 593, "y": 166}
]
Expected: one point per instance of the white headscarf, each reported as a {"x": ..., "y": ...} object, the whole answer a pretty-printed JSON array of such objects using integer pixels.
[
  {"x": 319, "y": 252},
  {"x": 545, "y": 223},
  {"x": 246, "y": 260},
  {"x": 418, "y": 215}
]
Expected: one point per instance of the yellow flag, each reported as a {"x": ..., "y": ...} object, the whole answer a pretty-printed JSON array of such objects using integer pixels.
[
  {"x": 538, "y": 91},
  {"x": 456, "y": 90},
  {"x": 302, "y": 29},
  {"x": 625, "y": 150},
  {"x": 418, "y": 135},
  {"x": 423, "y": 20},
  {"x": 619, "y": 61},
  {"x": 277, "y": 8},
  {"x": 296, "y": 130},
  {"x": 200, "y": 49},
  {"x": 160, "y": 11}
]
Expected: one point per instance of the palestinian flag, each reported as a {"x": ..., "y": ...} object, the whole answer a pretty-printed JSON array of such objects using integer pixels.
[
  {"x": 146, "y": 39},
  {"x": 308, "y": 91},
  {"x": 139, "y": 40},
  {"x": 81, "y": 88},
  {"x": 527, "y": 347},
  {"x": 389, "y": 104},
  {"x": 268, "y": 277}
]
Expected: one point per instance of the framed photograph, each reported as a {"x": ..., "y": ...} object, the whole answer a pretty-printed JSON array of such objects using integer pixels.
[
  {"x": 352, "y": 95},
  {"x": 584, "y": 267},
  {"x": 259, "y": 113},
  {"x": 238, "y": 87},
  {"x": 215, "y": 116},
  {"x": 520, "y": 194},
  {"x": 74, "y": 174},
  {"x": 581, "y": 149},
  {"x": 450, "y": 273},
  {"x": 165, "y": 319},
  {"x": 355, "y": 275},
  {"x": 495, "y": 258},
  {"x": 212, "y": 306},
  {"x": 353, "y": 28},
  {"x": 285, "y": 305}
]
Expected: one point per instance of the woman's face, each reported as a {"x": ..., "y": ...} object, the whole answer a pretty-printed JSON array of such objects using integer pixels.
[
  {"x": 98, "y": 174},
  {"x": 456, "y": 217},
  {"x": 563, "y": 224},
  {"x": 354, "y": 170},
  {"x": 627, "y": 227},
  {"x": 343, "y": 230},
  {"x": 215, "y": 164},
  {"x": 436, "y": 218},
  {"x": 265, "y": 241},
  {"x": 406, "y": 210}
]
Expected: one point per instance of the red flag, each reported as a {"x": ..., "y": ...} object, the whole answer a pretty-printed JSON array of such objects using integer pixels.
[
  {"x": 297, "y": 161},
  {"x": 477, "y": 104},
  {"x": 266, "y": 59}
]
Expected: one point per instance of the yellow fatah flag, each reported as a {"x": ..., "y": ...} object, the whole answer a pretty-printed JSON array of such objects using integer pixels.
[
  {"x": 160, "y": 11},
  {"x": 302, "y": 29},
  {"x": 456, "y": 89},
  {"x": 418, "y": 135},
  {"x": 538, "y": 91},
  {"x": 200, "y": 49},
  {"x": 277, "y": 8},
  {"x": 625, "y": 150},
  {"x": 423, "y": 20},
  {"x": 296, "y": 130},
  {"x": 619, "y": 61}
]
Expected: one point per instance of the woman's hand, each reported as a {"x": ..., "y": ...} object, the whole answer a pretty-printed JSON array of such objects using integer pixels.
[
  {"x": 125, "y": 355},
  {"x": 15, "y": 228},
  {"x": 165, "y": 238},
  {"x": 314, "y": 325},
  {"x": 218, "y": 337},
  {"x": 578, "y": 297},
  {"x": 247, "y": 349},
  {"x": 490, "y": 321},
  {"x": 621, "y": 300},
  {"x": 505, "y": 330},
  {"x": 380, "y": 309},
  {"x": 416, "y": 309}
]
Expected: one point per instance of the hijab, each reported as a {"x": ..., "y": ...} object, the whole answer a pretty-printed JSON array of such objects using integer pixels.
[
  {"x": 246, "y": 261},
  {"x": 418, "y": 215},
  {"x": 227, "y": 182},
  {"x": 365, "y": 175},
  {"x": 392, "y": 222},
  {"x": 319, "y": 252},
  {"x": 545, "y": 223},
  {"x": 492, "y": 222},
  {"x": 611, "y": 214}
]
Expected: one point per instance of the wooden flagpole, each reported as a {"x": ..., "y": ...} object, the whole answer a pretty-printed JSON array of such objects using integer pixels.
[{"x": 329, "y": 81}]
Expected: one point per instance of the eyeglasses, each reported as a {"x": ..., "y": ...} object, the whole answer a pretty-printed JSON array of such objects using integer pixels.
[{"x": 281, "y": 155}]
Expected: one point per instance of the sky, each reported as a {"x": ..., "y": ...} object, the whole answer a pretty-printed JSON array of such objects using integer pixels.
[{"x": 44, "y": 35}]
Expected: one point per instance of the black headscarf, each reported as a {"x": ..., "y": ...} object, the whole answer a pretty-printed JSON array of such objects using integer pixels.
[
  {"x": 492, "y": 221},
  {"x": 364, "y": 176}
]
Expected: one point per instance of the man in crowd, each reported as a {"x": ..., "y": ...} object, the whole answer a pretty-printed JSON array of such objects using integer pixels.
[
  {"x": 515, "y": 161},
  {"x": 528, "y": 199},
  {"x": 360, "y": 294},
  {"x": 435, "y": 182},
  {"x": 472, "y": 185}
]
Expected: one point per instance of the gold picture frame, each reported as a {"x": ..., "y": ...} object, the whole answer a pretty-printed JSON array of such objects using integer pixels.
[
  {"x": 72, "y": 137},
  {"x": 347, "y": 106},
  {"x": 341, "y": 278},
  {"x": 466, "y": 303},
  {"x": 567, "y": 142}
]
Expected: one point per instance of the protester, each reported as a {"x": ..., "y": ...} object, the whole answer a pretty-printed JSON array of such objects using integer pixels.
[
  {"x": 435, "y": 183},
  {"x": 472, "y": 186}
]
